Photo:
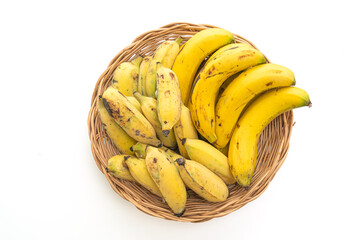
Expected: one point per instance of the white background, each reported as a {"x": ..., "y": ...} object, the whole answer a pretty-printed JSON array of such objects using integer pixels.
[{"x": 51, "y": 54}]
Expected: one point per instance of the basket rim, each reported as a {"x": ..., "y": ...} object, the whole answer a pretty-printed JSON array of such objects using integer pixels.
[{"x": 127, "y": 189}]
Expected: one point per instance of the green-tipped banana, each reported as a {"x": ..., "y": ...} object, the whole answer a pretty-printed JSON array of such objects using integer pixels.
[
  {"x": 194, "y": 52},
  {"x": 144, "y": 66},
  {"x": 166, "y": 176},
  {"x": 184, "y": 129},
  {"x": 242, "y": 154},
  {"x": 137, "y": 168},
  {"x": 118, "y": 136},
  {"x": 202, "y": 181},
  {"x": 129, "y": 118},
  {"x": 242, "y": 90},
  {"x": 149, "y": 109},
  {"x": 210, "y": 157},
  {"x": 126, "y": 75},
  {"x": 117, "y": 167},
  {"x": 168, "y": 98},
  {"x": 207, "y": 83},
  {"x": 166, "y": 54}
]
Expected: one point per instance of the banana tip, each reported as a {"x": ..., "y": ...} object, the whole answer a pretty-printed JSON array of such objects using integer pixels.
[
  {"x": 310, "y": 104},
  {"x": 179, "y": 214},
  {"x": 107, "y": 170},
  {"x": 132, "y": 148},
  {"x": 180, "y": 161}
]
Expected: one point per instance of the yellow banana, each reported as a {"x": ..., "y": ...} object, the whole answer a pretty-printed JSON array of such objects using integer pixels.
[
  {"x": 202, "y": 181},
  {"x": 166, "y": 176},
  {"x": 242, "y": 154},
  {"x": 125, "y": 76},
  {"x": 168, "y": 98},
  {"x": 242, "y": 90},
  {"x": 129, "y": 118},
  {"x": 194, "y": 52},
  {"x": 166, "y": 54},
  {"x": 210, "y": 78},
  {"x": 144, "y": 66},
  {"x": 184, "y": 129},
  {"x": 137, "y": 168},
  {"x": 210, "y": 157},
  {"x": 149, "y": 109},
  {"x": 118, "y": 136},
  {"x": 134, "y": 102},
  {"x": 117, "y": 167}
]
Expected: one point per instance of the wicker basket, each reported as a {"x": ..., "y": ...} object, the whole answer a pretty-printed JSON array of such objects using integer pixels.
[{"x": 272, "y": 148}]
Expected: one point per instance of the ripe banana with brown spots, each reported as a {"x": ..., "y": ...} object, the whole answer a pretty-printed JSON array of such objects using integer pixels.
[
  {"x": 242, "y": 90},
  {"x": 166, "y": 176},
  {"x": 208, "y": 81},
  {"x": 118, "y": 136},
  {"x": 168, "y": 98},
  {"x": 129, "y": 118},
  {"x": 210, "y": 157},
  {"x": 166, "y": 54},
  {"x": 202, "y": 181},
  {"x": 184, "y": 129},
  {"x": 137, "y": 168},
  {"x": 126, "y": 75},
  {"x": 242, "y": 154},
  {"x": 117, "y": 166},
  {"x": 149, "y": 109}
]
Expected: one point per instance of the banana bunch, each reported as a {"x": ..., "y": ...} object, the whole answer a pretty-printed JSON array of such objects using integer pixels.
[{"x": 189, "y": 118}]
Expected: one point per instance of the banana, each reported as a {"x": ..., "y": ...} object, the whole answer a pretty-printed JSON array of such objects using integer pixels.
[
  {"x": 194, "y": 52},
  {"x": 210, "y": 157},
  {"x": 134, "y": 102},
  {"x": 168, "y": 98},
  {"x": 205, "y": 89},
  {"x": 117, "y": 167},
  {"x": 129, "y": 118},
  {"x": 166, "y": 176},
  {"x": 144, "y": 66},
  {"x": 166, "y": 54},
  {"x": 149, "y": 109},
  {"x": 137, "y": 168},
  {"x": 125, "y": 76},
  {"x": 242, "y": 90},
  {"x": 118, "y": 136},
  {"x": 202, "y": 181},
  {"x": 184, "y": 129},
  {"x": 242, "y": 154}
]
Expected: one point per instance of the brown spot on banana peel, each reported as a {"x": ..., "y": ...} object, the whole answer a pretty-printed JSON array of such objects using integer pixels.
[
  {"x": 166, "y": 132},
  {"x": 107, "y": 107},
  {"x": 183, "y": 141},
  {"x": 268, "y": 84},
  {"x": 172, "y": 75},
  {"x": 155, "y": 160},
  {"x": 167, "y": 93},
  {"x": 237, "y": 145},
  {"x": 180, "y": 161},
  {"x": 137, "y": 132}
]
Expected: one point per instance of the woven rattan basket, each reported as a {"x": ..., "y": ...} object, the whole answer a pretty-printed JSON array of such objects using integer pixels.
[{"x": 272, "y": 148}]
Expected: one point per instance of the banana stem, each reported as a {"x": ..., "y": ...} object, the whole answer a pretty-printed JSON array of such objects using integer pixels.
[{"x": 179, "y": 40}]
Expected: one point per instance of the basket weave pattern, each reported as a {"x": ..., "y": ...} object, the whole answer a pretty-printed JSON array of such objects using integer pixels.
[{"x": 272, "y": 148}]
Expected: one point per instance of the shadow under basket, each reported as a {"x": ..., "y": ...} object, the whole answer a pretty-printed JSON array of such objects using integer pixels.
[{"x": 272, "y": 148}]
